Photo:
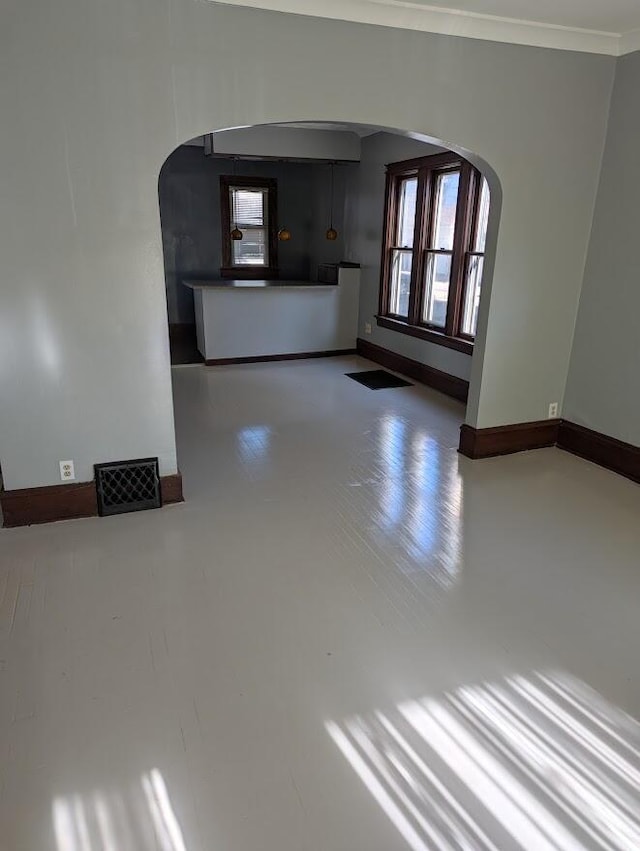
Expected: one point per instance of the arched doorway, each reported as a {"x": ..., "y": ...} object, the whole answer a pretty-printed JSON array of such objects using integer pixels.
[{"x": 301, "y": 145}]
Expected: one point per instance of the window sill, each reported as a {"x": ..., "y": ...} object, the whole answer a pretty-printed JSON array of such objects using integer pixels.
[{"x": 460, "y": 345}]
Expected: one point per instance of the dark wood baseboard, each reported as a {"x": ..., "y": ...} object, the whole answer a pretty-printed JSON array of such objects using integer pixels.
[
  {"x": 48, "y": 504},
  {"x": 505, "y": 440},
  {"x": 616, "y": 455},
  {"x": 171, "y": 489},
  {"x": 66, "y": 502},
  {"x": 450, "y": 385},
  {"x": 333, "y": 353}
]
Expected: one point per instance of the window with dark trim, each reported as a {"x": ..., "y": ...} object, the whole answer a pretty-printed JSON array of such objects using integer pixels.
[
  {"x": 436, "y": 214},
  {"x": 249, "y": 205}
]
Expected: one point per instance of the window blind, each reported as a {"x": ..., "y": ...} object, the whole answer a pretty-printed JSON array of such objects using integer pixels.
[{"x": 248, "y": 207}]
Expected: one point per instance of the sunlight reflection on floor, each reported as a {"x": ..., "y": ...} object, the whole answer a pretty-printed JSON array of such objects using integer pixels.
[
  {"x": 539, "y": 762},
  {"x": 105, "y": 822}
]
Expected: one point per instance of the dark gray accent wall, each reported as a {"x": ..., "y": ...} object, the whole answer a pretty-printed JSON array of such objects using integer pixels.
[
  {"x": 603, "y": 381},
  {"x": 189, "y": 192}
]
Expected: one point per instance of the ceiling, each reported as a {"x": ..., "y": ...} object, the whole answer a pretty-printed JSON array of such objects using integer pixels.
[
  {"x": 611, "y": 16},
  {"x": 593, "y": 26}
]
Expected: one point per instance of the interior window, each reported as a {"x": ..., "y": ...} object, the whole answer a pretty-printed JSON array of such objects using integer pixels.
[
  {"x": 433, "y": 259},
  {"x": 249, "y": 216}
]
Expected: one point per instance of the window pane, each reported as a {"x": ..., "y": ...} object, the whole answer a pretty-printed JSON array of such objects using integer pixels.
[
  {"x": 400, "y": 281},
  {"x": 248, "y": 207},
  {"x": 483, "y": 217},
  {"x": 446, "y": 203},
  {"x": 472, "y": 294},
  {"x": 251, "y": 250},
  {"x": 436, "y": 290},
  {"x": 406, "y": 211}
]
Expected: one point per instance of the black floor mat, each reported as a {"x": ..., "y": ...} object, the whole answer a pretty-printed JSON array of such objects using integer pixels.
[{"x": 378, "y": 379}]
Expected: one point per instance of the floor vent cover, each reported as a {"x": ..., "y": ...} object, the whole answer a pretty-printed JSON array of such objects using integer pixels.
[
  {"x": 378, "y": 379},
  {"x": 128, "y": 486}
]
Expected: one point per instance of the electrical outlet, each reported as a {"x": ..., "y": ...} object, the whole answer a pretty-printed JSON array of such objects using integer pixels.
[
  {"x": 67, "y": 472},
  {"x": 367, "y": 327},
  {"x": 553, "y": 411}
]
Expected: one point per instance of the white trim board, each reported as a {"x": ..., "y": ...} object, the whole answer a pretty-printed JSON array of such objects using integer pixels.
[
  {"x": 403, "y": 14},
  {"x": 630, "y": 42}
]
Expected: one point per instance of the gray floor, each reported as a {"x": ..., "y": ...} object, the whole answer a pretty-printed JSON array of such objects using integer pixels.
[{"x": 348, "y": 638}]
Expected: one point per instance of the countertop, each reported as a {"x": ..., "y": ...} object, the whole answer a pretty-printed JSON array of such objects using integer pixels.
[{"x": 259, "y": 284}]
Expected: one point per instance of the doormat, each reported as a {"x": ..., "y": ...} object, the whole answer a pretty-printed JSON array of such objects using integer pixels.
[{"x": 378, "y": 379}]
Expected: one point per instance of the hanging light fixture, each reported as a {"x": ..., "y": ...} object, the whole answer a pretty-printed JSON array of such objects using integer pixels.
[
  {"x": 332, "y": 233},
  {"x": 236, "y": 233}
]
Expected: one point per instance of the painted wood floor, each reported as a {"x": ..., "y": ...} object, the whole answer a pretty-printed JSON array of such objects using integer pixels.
[{"x": 349, "y": 638}]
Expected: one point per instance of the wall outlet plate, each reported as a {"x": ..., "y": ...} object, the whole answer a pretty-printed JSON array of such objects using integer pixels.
[
  {"x": 67, "y": 471},
  {"x": 553, "y": 411},
  {"x": 367, "y": 327}
]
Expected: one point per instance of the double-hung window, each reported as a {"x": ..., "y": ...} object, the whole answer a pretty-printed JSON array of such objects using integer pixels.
[
  {"x": 436, "y": 215},
  {"x": 249, "y": 213}
]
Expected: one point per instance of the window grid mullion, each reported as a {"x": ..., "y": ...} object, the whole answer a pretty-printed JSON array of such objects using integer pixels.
[
  {"x": 460, "y": 242},
  {"x": 392, "y": 248},
  {"x": 440, "y": 252},
  {"x": 415, "y": 288},
  {"x": 423, "y": 230},
  {"x": 390, "y": 207},
  {"x": 475, "y": 191},
  {"x": 467, "y": 258},
  {"x": 393, "y": 233},
  {"x": 474, "y": 204}
]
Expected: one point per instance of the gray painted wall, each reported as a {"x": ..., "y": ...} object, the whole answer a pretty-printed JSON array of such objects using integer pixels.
[
  {"x": 116, "y": 87},
  {"x": 603, "y": 383},
  {"x": 189, "y": 192},
  {"x": 321, "y": 249},
  {"x": 364, "y": 243}
]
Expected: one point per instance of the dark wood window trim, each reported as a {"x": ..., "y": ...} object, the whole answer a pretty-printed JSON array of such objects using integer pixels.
[
  {"x": 228, "y": 270},
  {"x": 402, "y": 327},
  {"x": 426, "y": 169}
]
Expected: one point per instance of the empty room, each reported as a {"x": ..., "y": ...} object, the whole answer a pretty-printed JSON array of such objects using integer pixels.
[{"x": 319, "y": 426}]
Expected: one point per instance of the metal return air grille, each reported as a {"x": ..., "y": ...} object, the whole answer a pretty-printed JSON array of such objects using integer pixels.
[{"x": 128, "y": 486}]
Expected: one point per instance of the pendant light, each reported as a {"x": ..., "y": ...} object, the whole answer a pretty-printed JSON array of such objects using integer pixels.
[
  {"x": 332, "y": 233},
  {"x": 236, "y": 233}
]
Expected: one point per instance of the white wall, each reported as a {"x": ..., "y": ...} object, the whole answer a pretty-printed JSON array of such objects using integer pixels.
[
  {"x": 602, "y": 388},
  {"x": 254, "y": 322},
  {"x": 96, "y": 95}
]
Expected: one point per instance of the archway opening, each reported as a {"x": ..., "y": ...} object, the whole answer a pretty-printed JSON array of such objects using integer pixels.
[{"x": 332, "y": 215}]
